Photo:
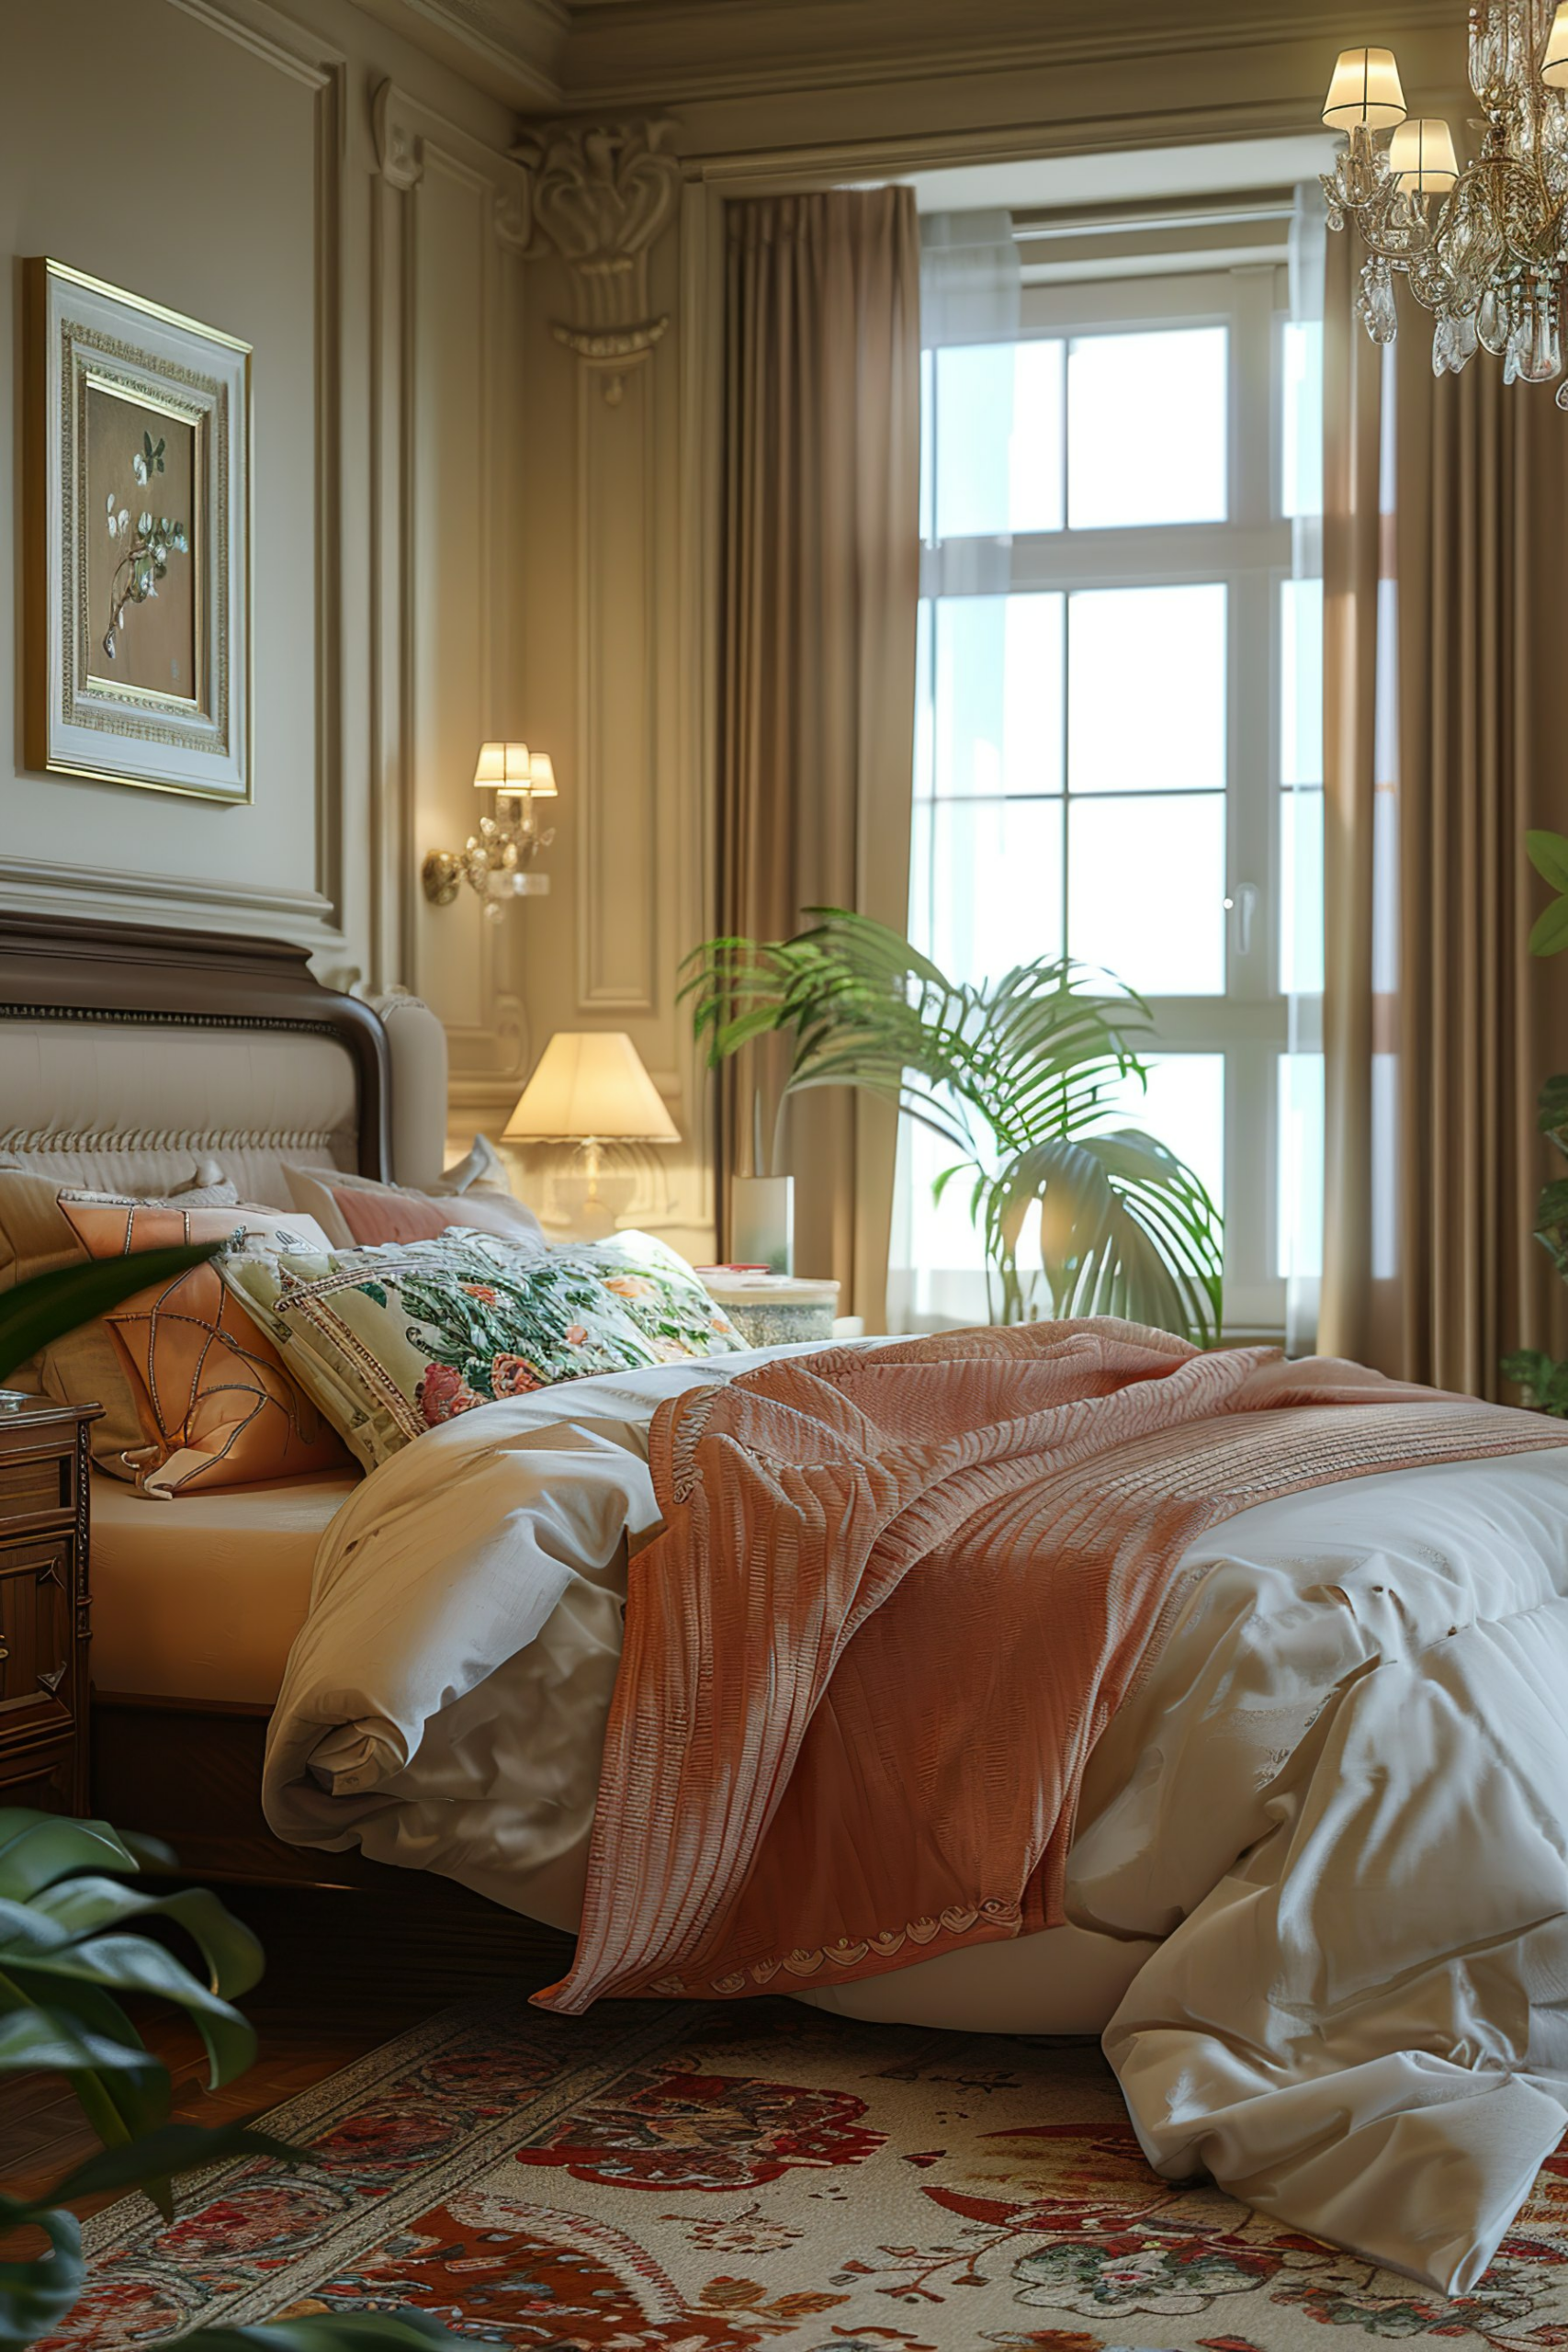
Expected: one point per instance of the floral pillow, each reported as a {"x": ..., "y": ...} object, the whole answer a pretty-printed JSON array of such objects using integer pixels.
[{"x": 393, "y": 1339}]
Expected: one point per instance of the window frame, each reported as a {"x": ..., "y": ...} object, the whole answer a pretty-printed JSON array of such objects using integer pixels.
[{"x": 1253, "y": 1021}]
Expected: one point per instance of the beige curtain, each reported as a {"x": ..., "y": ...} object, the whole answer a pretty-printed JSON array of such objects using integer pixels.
[
  {"x": 1445, "y": 712},
  {"x": 821, "y": 570}
]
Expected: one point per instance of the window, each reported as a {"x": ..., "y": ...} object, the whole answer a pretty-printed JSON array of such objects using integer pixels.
[{"x": 1118, "y": 747}]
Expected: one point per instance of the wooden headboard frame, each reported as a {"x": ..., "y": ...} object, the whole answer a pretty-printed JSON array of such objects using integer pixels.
[{"x": 53, "y": 967}]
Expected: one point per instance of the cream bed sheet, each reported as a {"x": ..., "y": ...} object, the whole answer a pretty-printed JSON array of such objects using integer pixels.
[{"x": 201, "y": 1596}]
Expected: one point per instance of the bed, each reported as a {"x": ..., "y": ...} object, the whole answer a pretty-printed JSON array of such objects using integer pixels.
[
  {"x": 1311, "y": 1882},
  {"x": 127, "y": 1053}
]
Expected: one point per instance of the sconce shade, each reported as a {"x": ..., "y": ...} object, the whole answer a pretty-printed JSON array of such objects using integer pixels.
[
  {"x": 541, "y": 776},
  {"x": 1421, "y": 156},
  {"x": 591, "y": 1083},
  {"x": 502, "y": 767},
  {"x": 1365, "y": 91},
  {"x": 1554, "y": 64}
]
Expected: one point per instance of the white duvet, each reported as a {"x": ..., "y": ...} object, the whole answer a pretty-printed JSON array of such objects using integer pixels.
[{"x": 1318, "y": 1892}]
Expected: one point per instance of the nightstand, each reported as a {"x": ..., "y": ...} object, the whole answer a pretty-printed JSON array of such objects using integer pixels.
[
  {"x": 771, "y": 1310},
  {"x": 43, "y": 1603}
]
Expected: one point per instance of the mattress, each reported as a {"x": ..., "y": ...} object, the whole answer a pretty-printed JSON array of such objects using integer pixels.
[{"x": 200, "y": 1597}]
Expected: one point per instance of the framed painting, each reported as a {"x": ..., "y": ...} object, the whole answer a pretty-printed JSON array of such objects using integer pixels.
[{"x": 137, "y": 497}]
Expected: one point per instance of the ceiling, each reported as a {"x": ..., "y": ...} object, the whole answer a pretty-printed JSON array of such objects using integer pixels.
[{"x": 550, "y": 56}]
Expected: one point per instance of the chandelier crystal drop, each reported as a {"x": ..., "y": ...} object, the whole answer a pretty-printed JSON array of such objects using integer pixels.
[{"x": 1483, "y": 245}]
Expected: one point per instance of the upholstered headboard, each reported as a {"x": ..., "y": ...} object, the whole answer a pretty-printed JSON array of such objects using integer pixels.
[{"x": 127, "y": 1050}]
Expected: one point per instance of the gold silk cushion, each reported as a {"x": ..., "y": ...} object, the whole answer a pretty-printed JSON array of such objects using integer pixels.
[
  {"x": 214, "y": 1406},
  {"x": 45, "y": 1223}
]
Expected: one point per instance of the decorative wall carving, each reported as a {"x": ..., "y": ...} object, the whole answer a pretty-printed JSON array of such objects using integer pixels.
[
  {"x": 399, "y": 149},
  {"x": 601, "y": 192}
]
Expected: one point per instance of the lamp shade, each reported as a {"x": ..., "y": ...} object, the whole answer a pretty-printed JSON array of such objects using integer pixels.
[
  {"x": 1365, "y": 91},
  {"x": 502, "y": 767},
  {"x": 1554, "y": 64},
  {"x": 541, "y": 776},
  {"x": 1421, "y": 156},
  {"x": 591, "y": 1082}
]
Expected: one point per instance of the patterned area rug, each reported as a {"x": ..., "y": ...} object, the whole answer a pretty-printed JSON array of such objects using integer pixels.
[{"x": 716, "y": 2179}]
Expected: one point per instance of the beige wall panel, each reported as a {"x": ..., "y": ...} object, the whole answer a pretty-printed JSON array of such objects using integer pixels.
[
  {"x": 183, "y": 225},
  {"x": 446, "y": 563},
  {"x": 616, "y": 881}
]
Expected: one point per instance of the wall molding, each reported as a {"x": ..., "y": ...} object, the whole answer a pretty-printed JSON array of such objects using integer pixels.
[
  {"x": 418, "y": 154},
  {"x": 270, "y": 35},
  {"x": 22, "y": 881},
  {"x": 603, "y": 193}
]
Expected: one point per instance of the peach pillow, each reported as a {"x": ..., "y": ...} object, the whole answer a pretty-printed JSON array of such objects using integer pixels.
[{"x": 216, "y": 1406}]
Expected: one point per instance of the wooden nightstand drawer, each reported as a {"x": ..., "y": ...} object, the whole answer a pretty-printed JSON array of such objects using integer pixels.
[
  {"x": 37, "y": 1636},
  {"x": 44, "y": 1604},
  {"x": 30, "y": 1488}
]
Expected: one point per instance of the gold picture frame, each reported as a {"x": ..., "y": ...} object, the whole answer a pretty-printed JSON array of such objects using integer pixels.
[{"x": 137, "y": 530}]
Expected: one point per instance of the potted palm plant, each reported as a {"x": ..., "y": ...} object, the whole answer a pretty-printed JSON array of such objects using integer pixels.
[{"x": 1016, "y": 1078}]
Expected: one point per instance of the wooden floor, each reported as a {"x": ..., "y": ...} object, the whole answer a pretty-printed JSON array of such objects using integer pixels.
[{"x": 345, "y": 1971}]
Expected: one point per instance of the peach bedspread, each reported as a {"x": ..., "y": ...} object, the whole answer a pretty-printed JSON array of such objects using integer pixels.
[{"x": 898, "y": 1597}]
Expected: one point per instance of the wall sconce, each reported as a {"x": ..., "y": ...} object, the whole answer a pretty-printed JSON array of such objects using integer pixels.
[{"x": 498, "y": 859}]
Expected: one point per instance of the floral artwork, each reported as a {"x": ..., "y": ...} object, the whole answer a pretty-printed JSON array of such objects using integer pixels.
[
  {"x": 397, "y": 1337},
  {"x": 141, "y": 573},
  {"x": 137, "y": 449},
  {"x": 144, "y": 547},
  {"x": 670, "y": 2178}
]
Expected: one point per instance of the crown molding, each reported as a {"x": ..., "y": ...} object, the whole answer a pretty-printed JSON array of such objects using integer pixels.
[
  {"x": 512, "y": 49},
  {"x": 550, "y": 57},
  {"x": 642, "y": 52}
]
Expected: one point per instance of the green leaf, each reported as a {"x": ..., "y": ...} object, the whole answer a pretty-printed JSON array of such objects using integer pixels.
[
  {"x": 233, "y": 1955},
  {"x": 39, "y": 1312},
  {"x": 1549, "y": 854},
  {"x": 1549, "y": 932},
  {"x": 37, "y": 2041},
  {"x": 163, "y": 2155},
  {"x": 134, "y": 1964},
  {"x": 35, "y": 1848},
  {"x": 36, "y": 2296}
]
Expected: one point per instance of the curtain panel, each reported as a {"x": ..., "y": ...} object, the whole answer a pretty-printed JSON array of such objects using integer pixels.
[
  {"x": 1445, "y": 730},
  {"x": 821, "y": 579}
]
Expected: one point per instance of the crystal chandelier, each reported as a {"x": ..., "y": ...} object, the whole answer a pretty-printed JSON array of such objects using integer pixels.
[{"x": 1483, "y": 247}]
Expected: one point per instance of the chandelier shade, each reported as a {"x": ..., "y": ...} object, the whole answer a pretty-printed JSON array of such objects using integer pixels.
[
  {"x": 1554, "y": 64},
  {"x": 1483, "y": 245},
  {"x": 1421, "y": 156},
  {"x": 1365, "y": 91}
]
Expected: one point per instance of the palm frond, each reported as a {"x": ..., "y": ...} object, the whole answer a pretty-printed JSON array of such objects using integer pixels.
[{"x": 1017, "y": 1077}]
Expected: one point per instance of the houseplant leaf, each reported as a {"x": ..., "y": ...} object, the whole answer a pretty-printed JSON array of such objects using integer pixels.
[
  {"x": 35, "y": 2296},
  {"x": 45, "y": 1308}
]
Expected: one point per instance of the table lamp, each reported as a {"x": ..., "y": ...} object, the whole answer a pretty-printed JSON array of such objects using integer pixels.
[{"x": 589, "y": 1087}]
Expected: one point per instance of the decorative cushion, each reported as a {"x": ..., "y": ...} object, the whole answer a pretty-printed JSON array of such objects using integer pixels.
[
  {"x": 354, "y": 1212},
  {"x": 480, "y": 1170},
  {"x": 393, "y": 1339},
  {"x": 44, "y": 1225},
  {"x": 214, "y": 1405}
]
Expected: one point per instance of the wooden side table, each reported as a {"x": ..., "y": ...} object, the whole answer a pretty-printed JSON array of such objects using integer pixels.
[{"x": 44, "y": 1604}]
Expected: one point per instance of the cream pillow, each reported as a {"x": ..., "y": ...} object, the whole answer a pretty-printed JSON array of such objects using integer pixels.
[{"x": 391, "y": 1342}]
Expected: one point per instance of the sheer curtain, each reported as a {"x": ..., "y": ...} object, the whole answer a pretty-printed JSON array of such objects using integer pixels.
[
  {"x": 1300, "y": 1192},
  {"x": 1446, "y": 713},
  {"x": 821, "y": 562},
  {"x": 971, "y": 294}
]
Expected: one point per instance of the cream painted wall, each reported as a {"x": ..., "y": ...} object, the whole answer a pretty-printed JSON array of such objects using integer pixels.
[
  {"x": 234, "y": 160},
  {"x": 457, "y": 534},
  {"x": 620, "y": 596}
]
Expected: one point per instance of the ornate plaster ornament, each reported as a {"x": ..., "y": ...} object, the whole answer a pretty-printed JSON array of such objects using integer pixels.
[{"x": 601, "y": 192}]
